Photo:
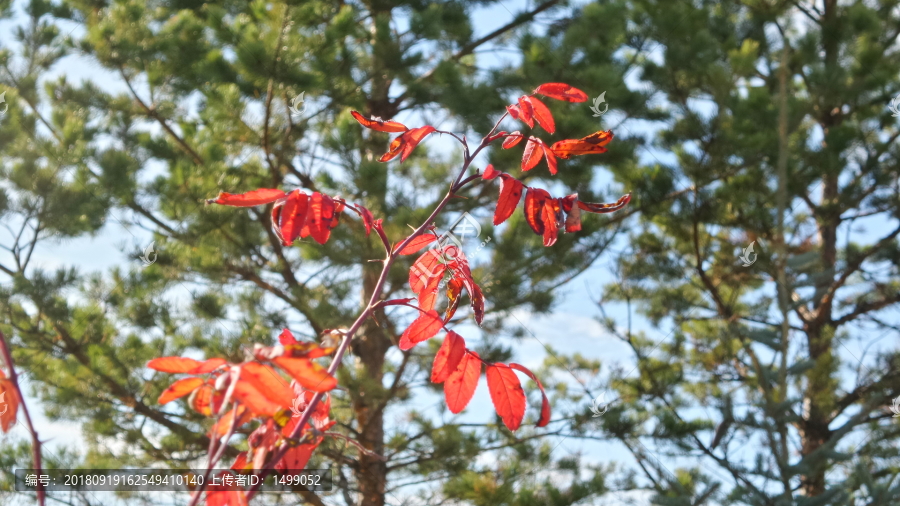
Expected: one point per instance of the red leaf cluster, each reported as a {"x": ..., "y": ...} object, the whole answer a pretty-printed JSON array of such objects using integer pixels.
[
  {"x": 297, "y": 214},
  {"x": 425, "y": 276},
  {"x": 546, "y": 215},
  {"x": 459, "y": 368}
]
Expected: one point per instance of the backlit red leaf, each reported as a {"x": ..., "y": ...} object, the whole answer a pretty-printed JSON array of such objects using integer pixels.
[
  {"x": 533, "y": 153},
  {"x": 406, "y": 143},
  {"x": 297, "y": 456},
  {"x": 513, "y": 139},
  {"x": 545, "y": 402},
  {"x": 605, "y": 208},
  {"x": 367, "y": 217},
  {"x": 526, "y": 111},
  {"x": 208, "y": 366},
  {"x": 510, "y": 195},
  {"x": 431, "y": 264},
  {"x": 461, "y": 384},
  {"x": 321, "y": 213},
  {"x": 506, "y": 394},
  {"x": 426, "y": 326},
  {"x": 551, "y": 158},
  {"x": 592, "y": 144},
  {"x": 307, "y": 373},
  {"x": 253, "y": 399},
  {"x": 551, "y": 216},
  {"x": 534, "y": 206},
  {"x": 249, "y": 199},
  {"x": 10, "y": 398},
  {"x": 269, "y": 382},
  {"x": 428, "y": 296},
  {"x": 215, "y": 496},
  {"x": 179, "y": 389},
  {"x": 561, "y": 91},
  {"x": 573, "y": 212},
  {"x": 173, "y": 365},
  {"x": 287, "y": 337},
  {"x": 223, "y": 425},
  {"x": 490, "y": 173},
  {"x": 448, "y": 357},
  {"x": 514, "y": 111},
  {"x": 379, "y": 124},
  {"x": 289, "y": 216},
  {"x": 421, "y": 240},
  {"x": 541, "y": 114},
  {"x": 454, "y": 290},
  {"x": 201, "y": 400}
]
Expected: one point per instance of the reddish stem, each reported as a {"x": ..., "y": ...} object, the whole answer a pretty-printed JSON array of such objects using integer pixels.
[{"x": 35, "y": 442}]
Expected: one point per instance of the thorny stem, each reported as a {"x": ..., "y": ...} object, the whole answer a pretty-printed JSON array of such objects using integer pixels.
[
  {"x": 35, "y": 442},
  {"x": 392, "y": 254}
]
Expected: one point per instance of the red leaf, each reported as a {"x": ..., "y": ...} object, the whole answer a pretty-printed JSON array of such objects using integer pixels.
[
  {"x": 297, "y": 456},
  {"x": 379, "y": 124},
  {"x": 573, "y": 212},
  {"x": 454, "y": 290},
  {"x": 405, "y": 143},
  {"x": 545, "y": 402},
  {"x": 448, "y": 357},
  {"x": 223, "y": 425},
  {"x": 339, "y": 206},
  {"x": 249, "y": 199},
  {"x": 201, "y": 400},
  {"x": 173, "y": 365},
  {"x": 477, "y": 299},
  {"x": 490, "y": 173},
  {"x": 460, "y": 385},
  {"x": 307, "y": 373},
  {"x": 426, "y": 326},
  {"x": 534, "y": 205},
  {"x": 253, "y": 399},
  {"x": 541, "y": 114},
  {"x": 367, "y": 217},
  {"x": 561, "y": 91},
  {"x": 506, "y": 394},
  {"x": 605, "y": 208},
  {"x": 287, "y": 338},
  {"x": 428, "y": 296},
  {"x": 208, "y": 366},
  {"x": 421, "y": 240},
  {"x": 592, "y": 144},
  {"x": 510, "y": 195},
  {"x": 551, "y": 158},
  {"x": 289, "y": 216},
  {"x": 321, "y": 212},
  {"x": 431, "y": 264},
  {"x": 10, "y": 397},
  {"x": 551, "y": 216},
  {"x": 513, "y": 139},
  {"x": 179, "y": 389},
  {"x": 532, "y": 155},
  {"x": 514, "y": 111},
  {"x": 269, "y": 382},
  {"x": 526, "y": 112}
]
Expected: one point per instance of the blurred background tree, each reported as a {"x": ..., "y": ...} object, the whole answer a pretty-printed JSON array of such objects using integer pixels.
[{"x": 736, "y": 121}]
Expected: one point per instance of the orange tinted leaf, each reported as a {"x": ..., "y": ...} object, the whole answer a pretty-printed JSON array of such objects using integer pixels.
[
  {"x": 526, "y": 111},
  {"x": 249, "y": 199},
  {"x": 490, "y": 173},
  {"x": 541, "y": 114},
  {"x": 513, "y": 139},
  {"x": 291, "y": 216},
  {"x": 605, "y": 208},
  {"x": 534, "y": 206},
  {"x": 428, "y": 296},
  {"x": 308, "y": 374},
  {"x": 533, "y": 153},
  {"x": 510, "y": 195},
  {"x": 9, "y": 399},
  {"x": 461, "y": 384},
  {"x": 454, "y": 290},
  {"x": 173, "y": 365},
  {"x": 426, "y": 326},
  {"x": 477, "y": 299},
  {"x": 208, "y": 366},
  {"x": 506, "y": 394},
  {"x": 216, "y": 496},
  {"x": 592, "y": 144},
  {"x": 379, "y": 124},
  {"x": 448, "y": 357},
  {"x": 406, "y": 143},
  {"x": 421, "y": 240},
  {"x": 298, "y": 456},
  {"x": 430, "y": 265},
  {"x": 545, "y": 402},
  {"x": 600, "y": 137},
  {"x": 253, "y": 399},
  {"x": 223, "y": 425},
  {"x": 179, "y": 389},
  {"x": 561, "y": 91},
  {"x": 321, "y": 212},
  {"x": 269, "y": 382},
  {"x": 201, "y": 400}
]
